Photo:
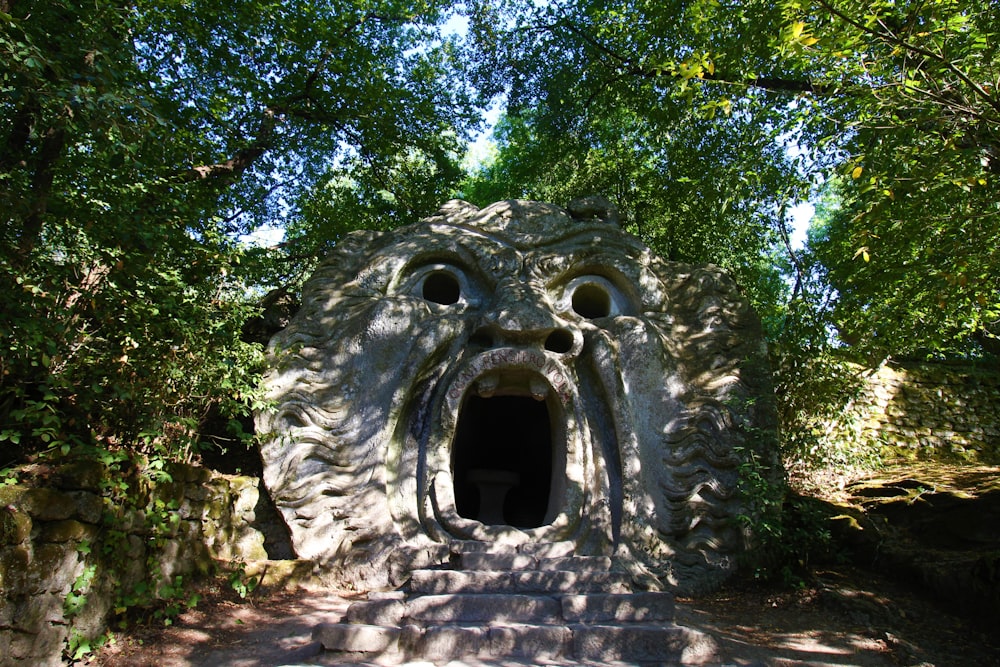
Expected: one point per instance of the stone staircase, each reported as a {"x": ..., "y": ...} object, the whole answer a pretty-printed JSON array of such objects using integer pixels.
[{"x": 535, "y": 602}]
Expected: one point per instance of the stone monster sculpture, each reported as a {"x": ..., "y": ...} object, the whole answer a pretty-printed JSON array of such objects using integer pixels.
[{"x": 511, "y": 374}]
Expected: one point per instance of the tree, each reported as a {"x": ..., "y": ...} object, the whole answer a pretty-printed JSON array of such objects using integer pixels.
[
  {"x": 911, "y": 250},
  {"x": 899, "y": 97},
  {"x": 138, "y": 142},
  {"x": 676, "y": 190}
]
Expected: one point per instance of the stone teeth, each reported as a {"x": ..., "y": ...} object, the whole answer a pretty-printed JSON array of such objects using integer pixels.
[
  {"x": 539, "y": 388},
  {"x": 487, "y": 385}
]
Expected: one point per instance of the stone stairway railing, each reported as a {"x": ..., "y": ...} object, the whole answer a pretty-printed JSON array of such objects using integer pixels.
[{"x": 535, "y": 602}]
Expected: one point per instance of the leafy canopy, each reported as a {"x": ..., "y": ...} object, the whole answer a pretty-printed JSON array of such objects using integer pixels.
[
  {"x": 891, "y": 105},
  {"x": 138, "y": 142}
]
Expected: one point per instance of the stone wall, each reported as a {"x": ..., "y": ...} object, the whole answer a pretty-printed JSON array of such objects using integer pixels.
[
  {"x": 70, "y": 549},
  {"x": 933, "y": 411}
]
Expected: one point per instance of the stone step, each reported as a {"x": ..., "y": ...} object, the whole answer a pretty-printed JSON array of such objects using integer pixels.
[
  {"x": 357, "y": 638},
  {"x": 604, "y": 643},
  {"x": 576, "y": 563},
  {"x": 376, "y": 612},
  {"x": 467, "y": 607},
  {"x": 448, "y": 642},
  {"x": 645, "y": 607},
  {"x": 539, "y": 549},
  {"x": 484, "y": 608},
  {"x": 497, "y": 581},
  {"x": 476, "y": 560},
  {"x": 548, "y": 549},
  {"x": 529, "y": 603},
  {"x": 530, "y": 641},
  {"x": 647, "y": 643},
  {"x": 526, "y": 642}
]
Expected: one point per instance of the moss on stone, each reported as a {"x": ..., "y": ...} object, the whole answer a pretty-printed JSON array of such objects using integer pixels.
[{"x": 15, "y": 525}]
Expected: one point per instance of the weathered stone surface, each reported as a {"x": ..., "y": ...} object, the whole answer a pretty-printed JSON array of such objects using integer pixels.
[
  {"x": 545, "y": 642},
  {"x": 563, "y": 581},
  {"x": 41, "y": 558},
  {"x": 79, "y": 476},
  {"x": 462, "y": 608},
  {"x": 41, "y": 649},
  {"x": 487, "y": 561},
  {"x": 927, "y": 410},
  {"x": 15, "y": 525},
  {"x": 48, "y": 504},
  {"x": 69, "y": 530},
  {"x": 639, "y": 642},
  {"x": 376, "y": 612},
  {"x": 446, "y": 642},
  {"x": 576, "y": 563},
  {"x": 357, "y": 638},
  {"x": 598, "y": 608},
  {"x": 437, "y": 582},
  {"x": 516, "y": 374},
  {"x": 14, "y": 568},
  {"x": 486, "y": 581},
  {"x": 89, "y": 506},
  {"x": 548, "y": 550},
  {"x": 53, "y": 568}
]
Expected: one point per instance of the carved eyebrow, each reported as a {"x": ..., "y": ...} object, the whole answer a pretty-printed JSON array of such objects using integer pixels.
[{"x": 558, "y": 267}]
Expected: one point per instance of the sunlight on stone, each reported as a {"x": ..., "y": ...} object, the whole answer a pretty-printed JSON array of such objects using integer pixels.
[{"x": 516, "y": 374}]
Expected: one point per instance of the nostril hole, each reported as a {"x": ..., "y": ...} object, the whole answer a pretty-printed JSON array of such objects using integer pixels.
[{"x": 559, "y": 341}]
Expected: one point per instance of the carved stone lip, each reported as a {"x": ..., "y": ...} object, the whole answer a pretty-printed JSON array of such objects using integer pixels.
[{"x": 515, "y": 369}]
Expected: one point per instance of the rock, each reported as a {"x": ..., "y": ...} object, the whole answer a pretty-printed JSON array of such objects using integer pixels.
[
  {"x": 15, "y": 525},
  {"x": 519, "y": 373}
]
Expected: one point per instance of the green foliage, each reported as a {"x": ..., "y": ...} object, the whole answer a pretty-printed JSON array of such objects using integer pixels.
[
  {"x": 138, "y": 143},
  {"x": 136, "y": 525},
  {"x": 787, "y": 532},
  {"x": 241, "y": 582},
  {"x": 895, "y": 101},
  {"x": 705, "y": 121},
  {"x": 80, "y": 646},
  {"x": 800, "y": 541},
  {"x": 77, "y": 597},
  {"x": 909, "y": 250},
  {"x": 655, "y": 171}
]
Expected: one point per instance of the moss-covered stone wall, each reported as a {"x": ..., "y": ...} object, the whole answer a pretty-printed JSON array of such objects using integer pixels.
[
  {"x": 78, "y": 541},
  {"x": 933, "y": 411}
]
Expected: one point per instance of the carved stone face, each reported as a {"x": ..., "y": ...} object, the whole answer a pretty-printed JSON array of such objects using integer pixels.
[{"x": 513, "y": 374}]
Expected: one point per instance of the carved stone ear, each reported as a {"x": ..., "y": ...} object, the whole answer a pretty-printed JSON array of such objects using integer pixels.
[{"x": 594, "y": 206}]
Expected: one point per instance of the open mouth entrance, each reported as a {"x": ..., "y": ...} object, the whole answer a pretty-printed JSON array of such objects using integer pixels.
[{"x": 503, "y": 461}]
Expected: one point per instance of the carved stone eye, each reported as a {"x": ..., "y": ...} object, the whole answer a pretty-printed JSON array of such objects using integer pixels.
[
  {"x": 593, "y": 297},
  {"x": 441, "y": 287},
  {"x": 444, "y": 284},
  {"x": 591, "y": 300}
]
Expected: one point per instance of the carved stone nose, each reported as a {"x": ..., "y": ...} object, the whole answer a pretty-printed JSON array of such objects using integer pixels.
[{"x": 522, "y": 316}]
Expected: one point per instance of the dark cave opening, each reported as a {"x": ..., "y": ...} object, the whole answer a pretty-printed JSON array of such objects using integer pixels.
[{"x": 503, "y": 459}]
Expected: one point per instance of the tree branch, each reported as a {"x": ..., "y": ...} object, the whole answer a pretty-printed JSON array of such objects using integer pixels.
[
  {"x": 629, "y": 66},
  {"x": 243, "y": 158},
  {"x": 48, "y": 155},
  {"x": 890, "y": 37}
]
